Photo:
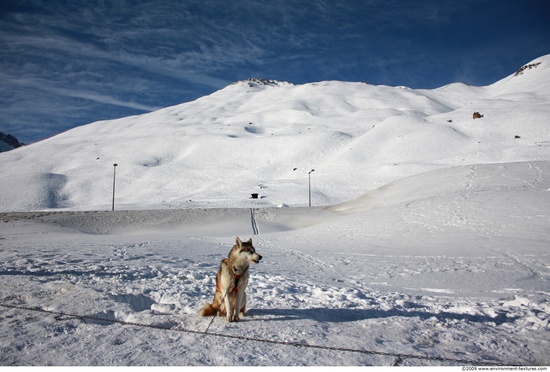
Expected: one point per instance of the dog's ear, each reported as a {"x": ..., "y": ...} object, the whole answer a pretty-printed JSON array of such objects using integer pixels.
[
  {"x": 238, "y": 242},
  {"x": 249, "y": 241}
]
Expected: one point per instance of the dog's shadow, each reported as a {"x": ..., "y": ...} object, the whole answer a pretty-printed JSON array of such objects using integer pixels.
[{"x": 353, "y": 315}]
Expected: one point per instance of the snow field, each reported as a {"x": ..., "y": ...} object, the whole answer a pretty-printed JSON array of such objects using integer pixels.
[
  {"x": 392, "y": 273},
  {"x": 427, "y": 243},
  {"x": 128, "y": 283}
]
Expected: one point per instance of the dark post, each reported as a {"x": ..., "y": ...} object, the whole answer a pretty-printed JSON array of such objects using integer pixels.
[
  {"x": 309, "y": 182},
  {"x": 114, "y": 180}
]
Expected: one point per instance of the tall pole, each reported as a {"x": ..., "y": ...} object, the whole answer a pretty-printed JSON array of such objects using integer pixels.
[
  {"x": 309, "y": 185},
  {"x": 114, "y": 180}
]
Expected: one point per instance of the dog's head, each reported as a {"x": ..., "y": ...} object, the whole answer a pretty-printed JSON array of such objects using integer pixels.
[{"x": 246, "y": 250}]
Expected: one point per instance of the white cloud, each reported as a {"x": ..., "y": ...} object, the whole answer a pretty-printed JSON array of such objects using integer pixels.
[{"x": 47, "y": 86}]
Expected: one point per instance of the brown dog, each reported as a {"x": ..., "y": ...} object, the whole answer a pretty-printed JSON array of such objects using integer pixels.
[{"x": 231, "y": 282}]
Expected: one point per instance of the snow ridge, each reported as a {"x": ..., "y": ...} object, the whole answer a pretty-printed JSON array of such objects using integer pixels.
[{"x": 261, "y": 82}]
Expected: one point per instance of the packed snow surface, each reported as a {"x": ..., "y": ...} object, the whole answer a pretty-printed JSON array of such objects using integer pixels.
[{"x": 427, "y": 243}]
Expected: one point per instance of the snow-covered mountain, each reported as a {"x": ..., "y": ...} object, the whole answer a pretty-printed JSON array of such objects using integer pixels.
[
  {"x": 264, "y": 136},
  {"x": 8, "y": 142},
  {"x": 434, "y": 250}
]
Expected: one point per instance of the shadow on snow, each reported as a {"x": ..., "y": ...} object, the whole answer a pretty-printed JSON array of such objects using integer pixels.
[{"x": 352, "y": 315}]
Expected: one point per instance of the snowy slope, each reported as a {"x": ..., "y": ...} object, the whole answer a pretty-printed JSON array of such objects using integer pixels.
[
  {"x": 265, "y": 137},
  {"x": 432, "y": 247},
  {"x": 450, "y": 267}
]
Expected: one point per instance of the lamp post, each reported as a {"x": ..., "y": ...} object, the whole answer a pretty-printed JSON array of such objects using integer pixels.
[
  {"x": 309, "y": 184},
  {"x": 114, "y": 179}
]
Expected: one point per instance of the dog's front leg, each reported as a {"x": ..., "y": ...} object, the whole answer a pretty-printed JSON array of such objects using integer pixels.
[
  {"x": 237, "y": 308},
  {"x": 228, "y": 307}
]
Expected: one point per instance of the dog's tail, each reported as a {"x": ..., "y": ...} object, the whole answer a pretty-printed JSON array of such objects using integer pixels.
[
  {"x": 214, "y": 307},
  {"x": 209, "y": 310}
]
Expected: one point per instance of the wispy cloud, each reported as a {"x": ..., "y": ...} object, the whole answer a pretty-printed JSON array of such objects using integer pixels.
[
  {"x": 138, "y": 55},
  {"x": 95, "y": 97}
]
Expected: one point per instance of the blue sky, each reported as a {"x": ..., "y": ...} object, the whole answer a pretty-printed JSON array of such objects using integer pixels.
[{"x": 69, "y": 63}]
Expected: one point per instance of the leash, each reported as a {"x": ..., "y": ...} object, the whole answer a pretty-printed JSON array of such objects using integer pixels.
[
  {"x": 237, "y": 277},
  {"x": 215, "y": 315},
  {"x": 61, "y": 316}
]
